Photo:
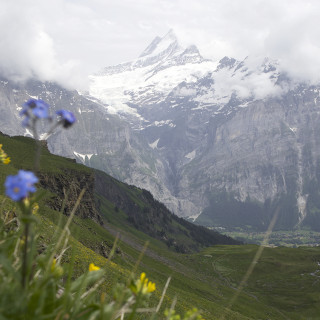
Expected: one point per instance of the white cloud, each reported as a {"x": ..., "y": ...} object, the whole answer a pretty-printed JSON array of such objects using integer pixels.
[
  {"x": 248, "y": 81},
  {"x": 27, "y": 50},
  {"x": 65, "y": 39}
]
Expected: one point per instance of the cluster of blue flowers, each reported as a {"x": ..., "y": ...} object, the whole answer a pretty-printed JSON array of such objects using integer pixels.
[
  {"x": 67, "y": 118},
  {"x": 38, "y": 109},
  {"x": 19, "y": 186}
]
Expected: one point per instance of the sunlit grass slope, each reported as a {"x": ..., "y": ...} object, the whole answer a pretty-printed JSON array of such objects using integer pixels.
[{"x": 284, "y": 284}]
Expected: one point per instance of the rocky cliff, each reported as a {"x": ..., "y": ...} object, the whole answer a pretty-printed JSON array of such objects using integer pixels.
[
  {"x": 99, "y": 139},
  {"x": 238, "y": 138},
  {"x": 66, "y": 188},
  {"x": 107, "y": 201}
]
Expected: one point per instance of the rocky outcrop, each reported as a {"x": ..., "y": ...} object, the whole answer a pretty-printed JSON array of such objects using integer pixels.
[
  {"x": 66, "y": 188},
  {"x": 238, "y": 142},
  {"x": 150, "y": 216},
  {"x": 98, "y": 139}
]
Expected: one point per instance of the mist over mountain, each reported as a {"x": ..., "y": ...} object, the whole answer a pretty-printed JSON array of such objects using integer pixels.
[
  {"x": 227, "y": 142},
  {"x": 238, "y": 138}
]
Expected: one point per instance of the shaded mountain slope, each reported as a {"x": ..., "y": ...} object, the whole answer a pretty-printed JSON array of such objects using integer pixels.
[
  {"x": 108, "y": 198},
  {"x": 239, "y": 139}
]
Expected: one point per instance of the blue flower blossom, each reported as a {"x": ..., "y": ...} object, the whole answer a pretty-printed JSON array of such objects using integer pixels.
[
  {"x": 34, "y": 109},
  {"x": 19, "y": 186},
  {"x": 67, "y": 118}
]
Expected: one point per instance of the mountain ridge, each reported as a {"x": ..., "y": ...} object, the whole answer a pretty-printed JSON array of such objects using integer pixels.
[
  {"x": 107, "y": 199},
  {"x": 204, "y": 125}
]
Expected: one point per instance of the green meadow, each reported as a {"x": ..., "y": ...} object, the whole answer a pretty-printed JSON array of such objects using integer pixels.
[{"x": 223, "y": 281}]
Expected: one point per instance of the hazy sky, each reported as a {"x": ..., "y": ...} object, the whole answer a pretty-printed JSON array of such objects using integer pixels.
[{"x": 64, "y": 40}]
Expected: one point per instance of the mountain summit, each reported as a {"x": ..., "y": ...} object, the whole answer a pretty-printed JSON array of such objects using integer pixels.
[
  {"x": 161, "y": 67},
  {"x": 169, "y": 44},
  {"x": 162, "y": 53},
  {"x": 235, "y": 138}
]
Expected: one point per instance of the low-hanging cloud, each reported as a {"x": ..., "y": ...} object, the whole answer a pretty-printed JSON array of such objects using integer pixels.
[
  {"x": 256, "y": 84},
  {"x": 64, "y": 40},
  {"x": 283, "y": 30},
  {"x": 28, "y": 51}
]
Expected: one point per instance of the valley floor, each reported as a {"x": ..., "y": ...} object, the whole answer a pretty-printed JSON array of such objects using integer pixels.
[
  {"x": 279, "y": 238},
  {"x": 284, "y": 283}
]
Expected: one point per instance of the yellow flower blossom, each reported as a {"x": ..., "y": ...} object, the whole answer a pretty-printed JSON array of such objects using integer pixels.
[
  {"x": 92, "y": 267},
  {"x": 6, "y": 160},
  {"x": 143, "y": 284},
  {"x": 56, "y": 269},
  {"x": 53, "y": 265},
  {"x": 3, "y": 156},
  {"x": 35, "y": 208}
]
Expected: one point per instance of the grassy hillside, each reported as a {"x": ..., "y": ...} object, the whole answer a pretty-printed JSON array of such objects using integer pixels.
[
  {"x": 124, "y": 205},
  {"x": 283, "y": 285}
]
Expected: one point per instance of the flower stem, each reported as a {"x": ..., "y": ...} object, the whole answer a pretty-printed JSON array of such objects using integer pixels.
[{"x": 25, "y": 255}]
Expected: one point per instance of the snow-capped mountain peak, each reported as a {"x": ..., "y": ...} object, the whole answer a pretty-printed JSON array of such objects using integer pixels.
[
  {"x": 169, "y": 44},
  {"x": 162, "y": 66}
]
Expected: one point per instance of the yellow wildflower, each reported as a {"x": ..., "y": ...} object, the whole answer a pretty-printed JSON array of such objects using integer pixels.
[
  {"x": 56, "y": 269},
  {"x": 6, "y": 160},
  {"x": 26, "y": 202},
  {"x": 151, "y": 286},
  {"x": 35, "y": 208},
  {"x": 3, "y": 156},
  {"x": 92, "y": 267},
  {"x": 53, "y": 265},
  {"x": 143, "y": 284}
]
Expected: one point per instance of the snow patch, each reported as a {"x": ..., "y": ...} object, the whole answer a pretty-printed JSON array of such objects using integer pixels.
[
  {"x": 119, "y": 108},
  {"x": 154, "y": 144},
  {"x": 28, "y": 133},
  {"x": 85, "y": 111},
  {"x": 163, "y": 122},
  {"x": 83, "y": 156},
  {"x": 185, "y": 92},
  {"x": 33, "y": 97},
  {"x": 191, "y": 155},
  {"x": 43, "y": 136},
  {"x": 144, "y": 84},
  {"x": 244, "y": 105}
]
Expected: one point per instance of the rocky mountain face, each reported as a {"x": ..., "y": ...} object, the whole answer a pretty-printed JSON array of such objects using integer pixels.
[
  {"x": 228, "y": 143},
  {"x": 105, "y": 200},
  {"x": 238, "y": 139},
  {"x": 99, "y": 139}
]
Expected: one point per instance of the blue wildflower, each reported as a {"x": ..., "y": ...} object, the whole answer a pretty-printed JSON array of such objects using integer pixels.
[
  {"x": 19, "y": 186},
  {"x": 67, "y": 118},
  {"x": 36, "y": 109}
]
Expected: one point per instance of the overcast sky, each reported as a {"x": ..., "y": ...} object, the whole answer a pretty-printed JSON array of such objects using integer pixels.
[{"x": 64, "y": 40}]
